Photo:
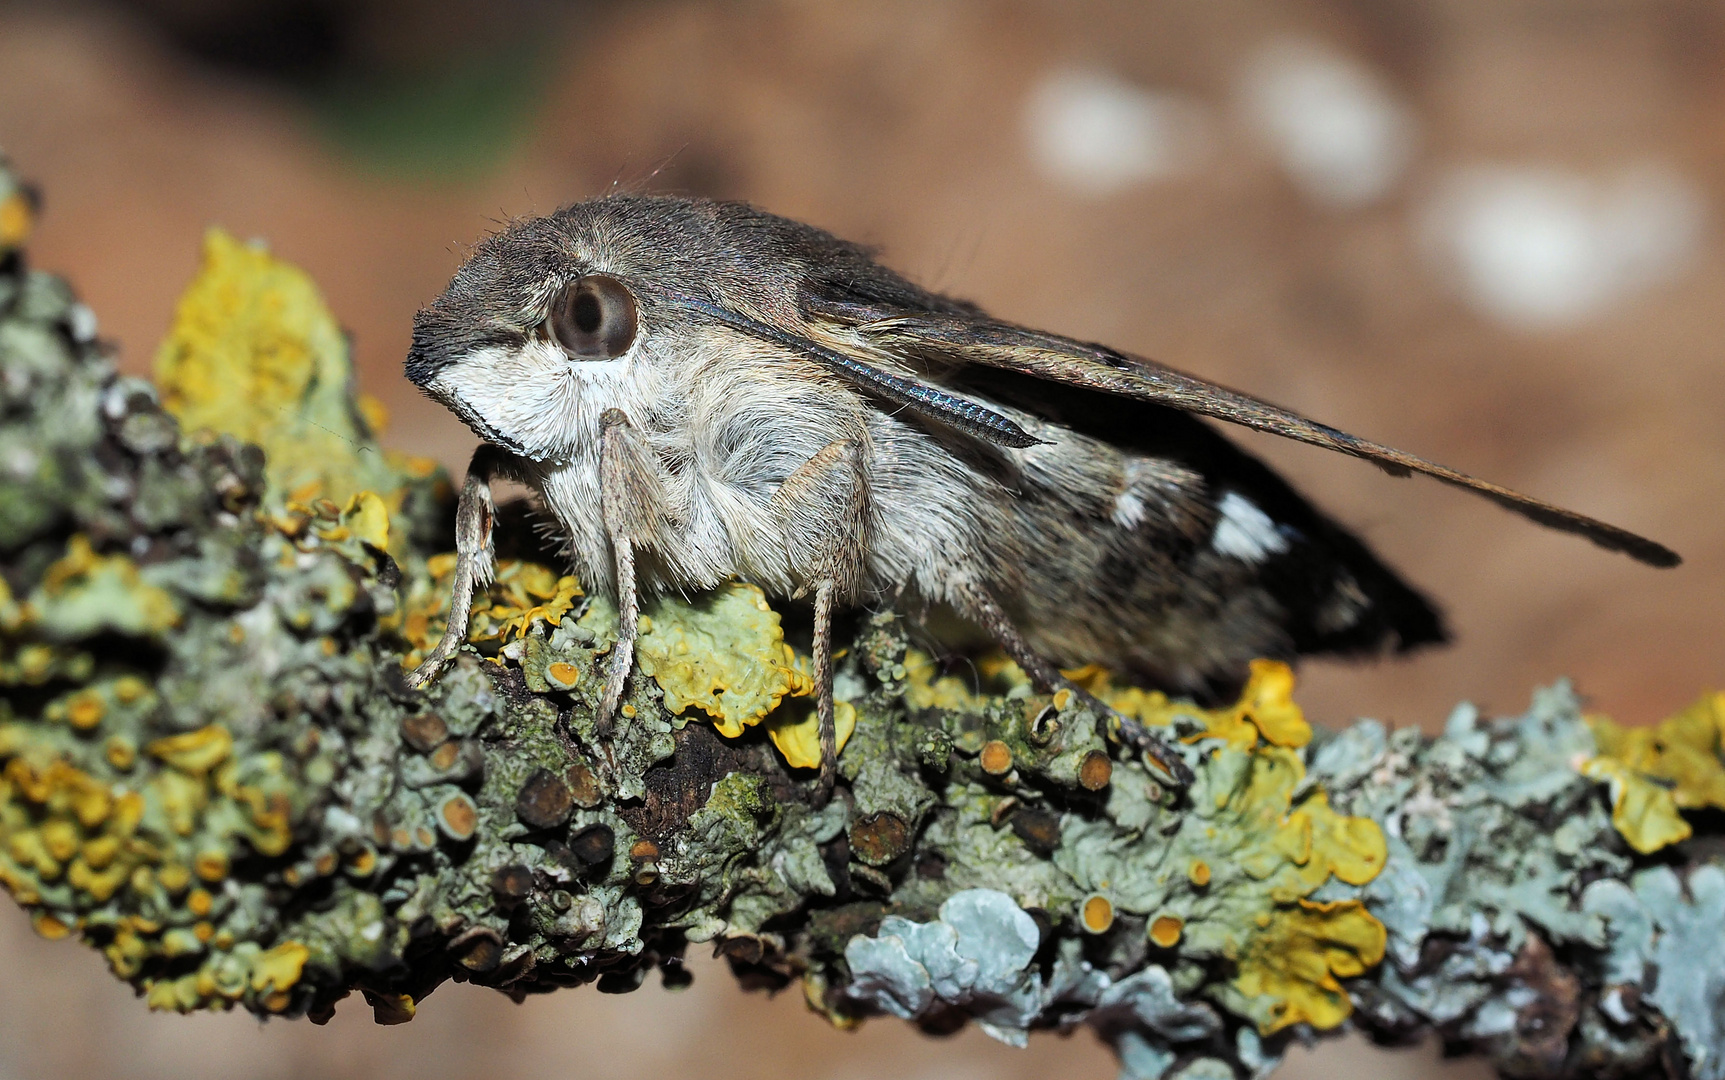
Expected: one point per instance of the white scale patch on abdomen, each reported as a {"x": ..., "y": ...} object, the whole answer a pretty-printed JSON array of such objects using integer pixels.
[{"x": 1245, "y": 532}]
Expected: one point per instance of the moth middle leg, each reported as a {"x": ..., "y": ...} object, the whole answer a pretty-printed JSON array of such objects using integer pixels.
[
  {"x": 977, "y": 604},
  {"x": 823, "y": 508}
]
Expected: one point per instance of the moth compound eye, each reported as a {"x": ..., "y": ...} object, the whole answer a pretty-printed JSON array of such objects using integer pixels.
[{"x": 593, "y": 318}]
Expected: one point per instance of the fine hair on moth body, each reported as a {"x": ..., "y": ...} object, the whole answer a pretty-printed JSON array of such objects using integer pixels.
[{"x": 698, "y": 391}]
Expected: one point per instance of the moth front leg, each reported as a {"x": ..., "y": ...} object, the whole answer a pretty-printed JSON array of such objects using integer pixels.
[
  {"x": 474, "y": 514},
  {"x": 631, "y": 501},
  {"x": 978, "y": 605},
  {"x": 823, "y": 507}
]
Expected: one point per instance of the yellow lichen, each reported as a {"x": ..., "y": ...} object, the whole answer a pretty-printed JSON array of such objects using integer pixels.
[
  {"x": 255, "y": 352},
  {"x": 373, "y": 412},
  {"x": 1265, "y": 709},
  {"x": 1288, "y": 971},
  {"x": 1351, "y": 848},
  {"x": 797, "y": 732},
  {"x": 1643, "y": 811},
  {"x": 388, "y": 1009},
  {"x": 520, "y": 595},
  {"x": 121, "y": 752},
  {"x": 13, "y": 615},
  {"x": 75, "y": 847},
  {"x": 280, "y": 967},
  {"x": 924, "y": 688},
  {"x": 1655, "y": 772},
  {"x": 195, "y": 752},
  {"x": 725, "y": 655},
  {"x": 17, "y": 218},
  {"x": 367, "y": 518}
]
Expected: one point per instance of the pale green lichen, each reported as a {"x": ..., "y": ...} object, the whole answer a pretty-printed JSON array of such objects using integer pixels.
[{"x": 1267, "y": 841}]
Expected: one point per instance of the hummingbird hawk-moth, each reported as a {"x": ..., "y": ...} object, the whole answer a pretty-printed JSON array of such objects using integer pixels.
[{"x": 700, "y": 390}]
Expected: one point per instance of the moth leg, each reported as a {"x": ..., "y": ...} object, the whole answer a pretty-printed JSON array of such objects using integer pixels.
[
  {"x": 630, "y": 500},
  {"x": 980, "y": 607},
  {"x": 824, "y": 509},
  {"x": 824, "y": 692},
  {"x": 474, "y": 515}
]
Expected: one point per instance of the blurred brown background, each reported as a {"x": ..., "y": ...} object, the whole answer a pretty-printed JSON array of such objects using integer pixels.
[{"x": 1484, "y": 230}]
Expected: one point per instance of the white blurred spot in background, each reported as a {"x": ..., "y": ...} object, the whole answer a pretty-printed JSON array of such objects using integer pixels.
[
  {"x": 1096, "y": 133},
  {"x": 1546, "y": 248},
  {"x": 1339, "y": 134}
]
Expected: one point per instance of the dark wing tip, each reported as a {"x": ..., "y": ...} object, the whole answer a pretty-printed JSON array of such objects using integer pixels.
[
  {"x": 1644, "y": 550},
  {"x": 1609, "y": 537}
]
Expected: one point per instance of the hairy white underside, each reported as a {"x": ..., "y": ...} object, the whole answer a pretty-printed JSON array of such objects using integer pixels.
[{"x": 728, "y": 420}]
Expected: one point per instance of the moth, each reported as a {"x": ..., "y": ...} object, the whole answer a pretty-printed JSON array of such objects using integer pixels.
[{"x": 699, "y": 390}]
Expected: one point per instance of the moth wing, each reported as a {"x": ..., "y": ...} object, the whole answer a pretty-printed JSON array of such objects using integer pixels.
[{"x": 945, "y": 341}]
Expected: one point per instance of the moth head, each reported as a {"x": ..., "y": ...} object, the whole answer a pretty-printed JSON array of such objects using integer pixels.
[
  {"x": 555, "y": 319},
  {"x": 540, "y": 330}
]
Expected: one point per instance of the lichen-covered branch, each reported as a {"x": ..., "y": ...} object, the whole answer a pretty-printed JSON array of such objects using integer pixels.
[{"x": 212, "y": 771}]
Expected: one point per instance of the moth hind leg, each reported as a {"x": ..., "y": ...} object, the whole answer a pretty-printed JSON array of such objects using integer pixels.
[{"x": 976, "y": 604}]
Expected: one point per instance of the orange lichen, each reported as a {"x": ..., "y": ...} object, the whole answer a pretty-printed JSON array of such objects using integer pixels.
[
  {"x": 74, "y": 845},
  {"x": 459, "y": 817},
  {"x": 1096, "y": 914},
  {"x": 563, "y": 675},
  {"x": 1165, "y": 930},
  {"x": 995, "y": 758},
  {"x": 1095, "y": 771}
]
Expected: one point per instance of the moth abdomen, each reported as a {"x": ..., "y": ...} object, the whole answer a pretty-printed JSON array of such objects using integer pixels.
[{"x": 1194, "y": 559}]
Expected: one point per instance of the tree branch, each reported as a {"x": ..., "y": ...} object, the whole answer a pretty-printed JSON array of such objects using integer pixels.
[{"x": 212, "y": 771}]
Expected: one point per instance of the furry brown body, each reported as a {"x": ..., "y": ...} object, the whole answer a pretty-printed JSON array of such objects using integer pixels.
[{"x": 700, "y": 390}]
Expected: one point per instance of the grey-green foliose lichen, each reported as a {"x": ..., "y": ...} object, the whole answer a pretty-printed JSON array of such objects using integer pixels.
[{"x": 211, "y": 770}]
